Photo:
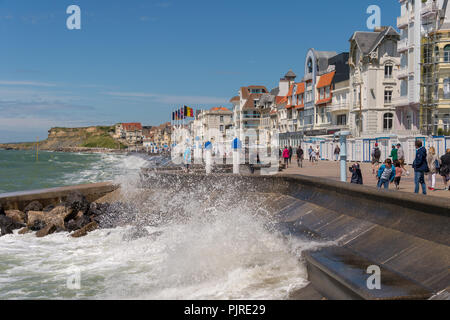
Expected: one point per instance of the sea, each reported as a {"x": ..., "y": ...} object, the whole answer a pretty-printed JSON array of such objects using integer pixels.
[{"x": 211, "y": 253}]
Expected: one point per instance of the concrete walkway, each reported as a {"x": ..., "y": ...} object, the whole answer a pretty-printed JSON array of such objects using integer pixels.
[{"x": 331, "y": 170}]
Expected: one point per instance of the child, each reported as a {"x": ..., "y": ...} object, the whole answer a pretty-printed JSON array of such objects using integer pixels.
[
  {"x": 398, "y": 173},
  {"x": 386, "y": 174}
]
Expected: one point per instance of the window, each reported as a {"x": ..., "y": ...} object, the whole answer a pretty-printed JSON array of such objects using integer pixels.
[
  {"x": 327, "y": 92},
  {"x": 388, "y": 96},
  {"x": 310, "y": 66},
  {"x": 221, "y": 119},
  {"x": 446, "y": 122},
  {"x": 342, "y": 120},
  {"x": 388, "y": 71},
  {"x": 388, "y": 121},
  {"x": 447, "y": 53},
  {"x": 221, "y": 128},
  {"x": 447, "y": 88}
]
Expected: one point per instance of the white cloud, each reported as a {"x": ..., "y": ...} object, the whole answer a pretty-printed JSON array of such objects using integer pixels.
[
  {"x": 170, "y": 99},
  {"x": 27, "y": 83}
]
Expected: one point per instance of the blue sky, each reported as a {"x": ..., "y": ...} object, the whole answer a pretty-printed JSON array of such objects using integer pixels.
[{"x": 136, "y": 60}]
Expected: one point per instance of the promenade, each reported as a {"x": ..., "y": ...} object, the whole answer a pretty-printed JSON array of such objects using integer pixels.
[{"x": 331, "y": 170}]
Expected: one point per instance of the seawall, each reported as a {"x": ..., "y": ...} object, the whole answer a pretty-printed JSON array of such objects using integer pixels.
[{"x": 407, "y": 236}]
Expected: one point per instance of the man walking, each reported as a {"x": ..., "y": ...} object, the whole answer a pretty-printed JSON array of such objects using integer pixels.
[
  {"x": 311, "y": 154},
  {"x": 300, "y": 157},
  {"x": 401, "y": 158},
  {"x": 420, "y": 166},
  {"x": 376, "y": 155}
]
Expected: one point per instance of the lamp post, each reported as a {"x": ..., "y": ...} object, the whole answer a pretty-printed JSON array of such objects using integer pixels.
[{"x": 343, "y": 155}]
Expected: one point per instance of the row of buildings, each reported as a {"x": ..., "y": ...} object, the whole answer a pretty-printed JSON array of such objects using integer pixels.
[
  {"x": 152, "y": 138},
  {"x": 391, "y": 82}
]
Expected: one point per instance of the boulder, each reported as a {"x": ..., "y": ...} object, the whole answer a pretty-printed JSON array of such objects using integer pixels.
[
  {"x": 63, "y": 212},
  {"x": 24, "y": 230},
  {"x": 85, "y": 230},
  {"x": 78, "y": 223},
  {"x": 2, "y": 211},
  {"x": 16, "y": 215},
  {"x": 38, "y": 219},
  {"x": 33, "y": 206},
  {"x": 77, "y": 202},
  {"x": 46, "y": 231},
  {"x": 8, "y": 225}
]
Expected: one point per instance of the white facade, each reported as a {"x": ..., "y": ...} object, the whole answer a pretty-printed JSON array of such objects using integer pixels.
[{"x": 374, "y": 64}]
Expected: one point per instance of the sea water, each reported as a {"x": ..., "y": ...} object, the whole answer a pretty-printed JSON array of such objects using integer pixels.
[{"x": 196, "y": 249}]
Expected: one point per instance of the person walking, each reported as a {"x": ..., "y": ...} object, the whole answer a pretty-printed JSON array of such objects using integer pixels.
[
  {"x": 386, "y": 174},
  {"x": 398, "y": 174},
  {"x": 445, "y": 168},
  {"x": 337, "y": 152},
  {"x": 434, "y": 165},
  {"x": 300, "y": 157},
  {"x": 290, "y": 154},
  {"x": 286, "y": 156},
  {"x": 357, "y": 178},
  {"x": 420, "y": 167},
  {"x": 376, "y": 155},
  {"x": 394, "y": 153},
  {"x": 311, "y": 154},
  {"x": 317, "y": 154},
  {"x": 401, "y": 158}
]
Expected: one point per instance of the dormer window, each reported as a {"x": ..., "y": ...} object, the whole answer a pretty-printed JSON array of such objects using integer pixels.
[{"x": 388, "y": 71}]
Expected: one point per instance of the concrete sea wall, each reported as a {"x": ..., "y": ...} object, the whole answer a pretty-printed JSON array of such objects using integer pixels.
[{"x": 407, "y": 236}]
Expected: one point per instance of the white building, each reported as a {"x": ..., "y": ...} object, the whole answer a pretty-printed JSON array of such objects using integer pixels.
[{"x": 374, "y": 64}]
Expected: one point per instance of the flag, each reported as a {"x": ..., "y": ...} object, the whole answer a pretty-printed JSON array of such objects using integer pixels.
[{"x": 188, "y": 112}]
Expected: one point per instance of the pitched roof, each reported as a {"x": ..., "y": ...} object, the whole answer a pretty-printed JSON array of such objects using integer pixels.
[
  {"x": 220, "y": 109},
  {"x": 300, "y": 88},
  {"x": 132, "y": 126},
  {"x": 326, "y": 79},
  {"x": 369, "y": 41},
  {"x": 290, "y": 74},
  {"x": 235, "y": 99}
]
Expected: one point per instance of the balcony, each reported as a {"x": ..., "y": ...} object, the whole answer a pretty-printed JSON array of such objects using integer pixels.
[
  {"x": 429, "y": 9},
  {"x": 402, "y": 45},
  {"x": 400, "y": 101},
  {"x": 342, "y": 106},
  {"x": 402, "y": 22},
  {"x": 403, "y": 73}
]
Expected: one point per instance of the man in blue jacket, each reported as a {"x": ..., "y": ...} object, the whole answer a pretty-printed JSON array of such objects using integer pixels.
[
  {"x": 420, "y": 166},
  {"x": 386, "y": 174}
]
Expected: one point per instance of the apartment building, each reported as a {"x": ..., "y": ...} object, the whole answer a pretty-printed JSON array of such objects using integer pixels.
[
  {"x": 209, "y": 123},
  {"x": 246, "y": 114},
  {"x": 374, "y": 63}
]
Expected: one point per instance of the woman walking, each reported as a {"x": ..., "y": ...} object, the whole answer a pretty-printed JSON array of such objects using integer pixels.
[
  {"x": 445, "y": 168},
  {"x": 286, "y": 156},
  {"x": 434, "y": 165}
]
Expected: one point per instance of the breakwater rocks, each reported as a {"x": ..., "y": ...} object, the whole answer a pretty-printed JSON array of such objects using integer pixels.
[{"x": 76, "y": 215}]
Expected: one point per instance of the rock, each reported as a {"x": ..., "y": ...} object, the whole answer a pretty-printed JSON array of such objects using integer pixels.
[
  {"x": 77, "y": 202},
  {"x": 135, "y": 233},
  {"x": 38, "y": 219},
  {"x": 65, "y": 213},
  {"x": 2, "y": 211},
  {"x": 24, "y": 230},
  {"x": 46, "y": 231},
  {"x": 78, "y": 223},
  {"x": 16, "y": 215},
  {"x": 37, "y": 225},
  {"x": 33, "y": 206},
  {"x": 8, "y": 225},
  {"x": 85, "y": 230}
]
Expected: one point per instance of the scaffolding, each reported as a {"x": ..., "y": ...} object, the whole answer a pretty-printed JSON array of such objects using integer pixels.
[{"x": 430, "y": 96}]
